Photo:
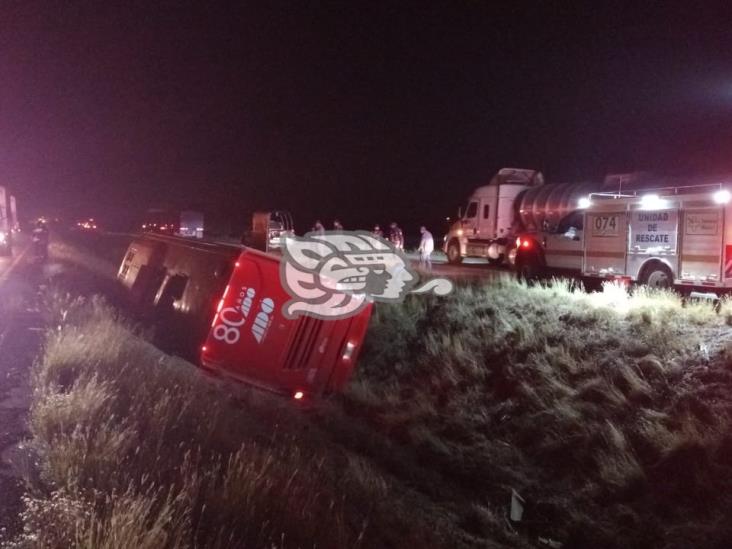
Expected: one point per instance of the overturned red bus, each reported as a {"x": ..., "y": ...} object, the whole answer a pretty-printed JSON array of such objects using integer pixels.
[
  {"x": 224, "y": 303},
  {"x": 252, "y": 341}
]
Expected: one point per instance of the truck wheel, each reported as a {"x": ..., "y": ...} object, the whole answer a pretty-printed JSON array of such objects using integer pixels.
[
  {"x": 528, "y": 268},
  {"x": 495, "y": 260},
  {"x": 657, "y": 275},
  {"x": 453, "y": 253}
]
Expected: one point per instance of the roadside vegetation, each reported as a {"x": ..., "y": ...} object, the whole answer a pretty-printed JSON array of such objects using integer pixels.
[
  {"x": 607, "y": 414},
  {"x": 137, "y": 449}
]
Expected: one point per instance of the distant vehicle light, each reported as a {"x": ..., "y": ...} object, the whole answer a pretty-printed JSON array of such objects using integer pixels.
[
  {"x": 722, "y": 196},
  {"x": 518, "y": 242},
  {"x": 652, "y": 202},
  {"x": 204, "y": 349},
  {"x": 526, "y": 243},
  {"x": 460, "y": 232},
  {"x": 298, "y": 395},
  {"x": 584, "y": 202}
]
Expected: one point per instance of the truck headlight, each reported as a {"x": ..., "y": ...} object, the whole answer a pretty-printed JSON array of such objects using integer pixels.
[{"x": 3, "y": 237}]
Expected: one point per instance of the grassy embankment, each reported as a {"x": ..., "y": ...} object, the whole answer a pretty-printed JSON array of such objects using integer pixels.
[{"x": 609, "y": 414}]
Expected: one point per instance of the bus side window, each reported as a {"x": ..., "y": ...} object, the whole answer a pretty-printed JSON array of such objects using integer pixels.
[{"x": 172, "y": 291}]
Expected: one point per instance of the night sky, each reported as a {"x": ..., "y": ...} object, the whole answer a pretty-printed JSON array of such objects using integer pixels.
[{"x": 364, "y": 111}]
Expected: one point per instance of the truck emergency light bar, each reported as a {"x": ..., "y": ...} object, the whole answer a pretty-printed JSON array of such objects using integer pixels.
[
  {"x": 663, "y": 191},
  {"x": 652, "y": 198}
]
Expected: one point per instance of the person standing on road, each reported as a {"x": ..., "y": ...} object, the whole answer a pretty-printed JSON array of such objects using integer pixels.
[
  {"x": 377, "y": 232},
  {"x": 426, "y": 247},
  {"x": 337, "y": 226},
  {"x": 40, "y": 239},
  {"x": 318, "y": 227},
  {"x": 396, "y": 236}
]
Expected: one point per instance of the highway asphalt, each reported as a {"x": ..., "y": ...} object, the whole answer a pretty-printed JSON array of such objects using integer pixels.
[{"x": 20, "y": 336}]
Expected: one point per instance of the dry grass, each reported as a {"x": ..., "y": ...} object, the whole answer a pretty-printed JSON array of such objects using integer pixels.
[
  {"x": 137, "y": 449},
  {"x": 608, "y": 412},
  {"x": 595, "y": 407}
]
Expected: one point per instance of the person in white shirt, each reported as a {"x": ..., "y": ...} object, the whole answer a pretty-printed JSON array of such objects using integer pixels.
[{"x": 426, "y": 247}]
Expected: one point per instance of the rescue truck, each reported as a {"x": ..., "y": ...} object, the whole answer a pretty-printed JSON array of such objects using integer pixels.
[
  {"x": 661, "y": 237},
  {"x": 220, "y": 304},
  {"x": 657, "y": 236}
]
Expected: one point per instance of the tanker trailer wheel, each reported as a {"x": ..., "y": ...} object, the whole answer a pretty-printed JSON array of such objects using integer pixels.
[
  {"x": 453, "y": 253},
  {"x": 657, "y": 275}
]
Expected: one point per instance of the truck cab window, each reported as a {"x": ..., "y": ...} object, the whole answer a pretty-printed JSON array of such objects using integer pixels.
[
  {"x": 472, "y": 210},
  {"x": 486, "y": 210},
  {"x": 571, "y": 223}
]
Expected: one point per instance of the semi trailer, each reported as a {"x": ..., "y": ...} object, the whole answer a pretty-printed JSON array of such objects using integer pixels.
[
  {"x": 185, "y": 223},
  {"x": 515, "y": 201}
]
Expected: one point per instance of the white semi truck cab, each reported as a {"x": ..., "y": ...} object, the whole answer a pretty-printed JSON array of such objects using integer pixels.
[{"x": 490, "y": 223}]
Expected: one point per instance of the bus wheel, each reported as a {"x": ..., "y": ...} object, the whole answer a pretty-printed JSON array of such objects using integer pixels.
[
  {"x": 657, "y": 275},
  {"x": 453, "y": 253}
]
